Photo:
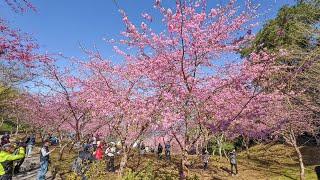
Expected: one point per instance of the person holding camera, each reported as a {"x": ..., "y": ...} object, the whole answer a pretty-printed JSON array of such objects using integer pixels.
[
  {"x": 19, "y": 162},
  {"x": 7, "y": 157}
]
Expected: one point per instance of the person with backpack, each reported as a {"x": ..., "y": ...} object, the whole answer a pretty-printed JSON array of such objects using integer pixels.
[
  {"x": 44, "y": 160},
  {"x": 6, "y": 160},
  {"x": 159, "y": 152},
  {"x": 233, "y": 161},
  {"x": 82, "y": 162}
]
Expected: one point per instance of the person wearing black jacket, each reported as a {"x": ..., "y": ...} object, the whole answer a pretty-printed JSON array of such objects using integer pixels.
[
  {"x": 159, "y": 152},
  {"x": 17, "y": 167},
  {"x": 82, "y": 162},
  {"x": 31, "y": 141}
]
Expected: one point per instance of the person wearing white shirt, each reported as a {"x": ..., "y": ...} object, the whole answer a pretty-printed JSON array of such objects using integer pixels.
[
  {"x": 110, "y": 152},
  {"x": 44, "y": 160}
]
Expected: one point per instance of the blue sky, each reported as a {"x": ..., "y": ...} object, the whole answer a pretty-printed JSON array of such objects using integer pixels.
[{"x": 60, "y": 25}]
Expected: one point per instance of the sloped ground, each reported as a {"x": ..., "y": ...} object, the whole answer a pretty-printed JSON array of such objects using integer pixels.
[
  {"x": 30, "y": 168},
  {"x": 265, "y": 162}
]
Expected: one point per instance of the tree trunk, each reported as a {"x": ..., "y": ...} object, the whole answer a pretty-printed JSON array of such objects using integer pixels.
[
  {"x": 197, "y": 148},
  {"x": 78, "y": 136},
  {"x": 213, "y": 151},
  {"x": 219, "y": 143},
  {"x": 62, "y": 151},
  {"x": 123, "y": 162},
  {"x": 2, "y": 121},
  {"x": 17, "y": 127},
  {"x": 182, "y": 166},
  {"x": 317, "y": 139},
  {"x": 225, "y": 154},
  {"x": 302, "y": 177},
  {"x": 297, "y": 149},
  {"x": 245, "y": 142}
]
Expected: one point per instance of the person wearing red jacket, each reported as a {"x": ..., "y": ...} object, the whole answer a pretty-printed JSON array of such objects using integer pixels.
[{"x": 98, "y": 154}]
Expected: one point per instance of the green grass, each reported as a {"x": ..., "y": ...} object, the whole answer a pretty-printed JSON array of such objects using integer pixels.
[{"x": 7, "y": 127}]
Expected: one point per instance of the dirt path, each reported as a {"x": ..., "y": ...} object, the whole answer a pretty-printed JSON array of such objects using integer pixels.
[{"x": 30, "y": 168}]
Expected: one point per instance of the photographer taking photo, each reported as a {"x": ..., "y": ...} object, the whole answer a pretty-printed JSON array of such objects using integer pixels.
[{"x": 6, "y": 160}]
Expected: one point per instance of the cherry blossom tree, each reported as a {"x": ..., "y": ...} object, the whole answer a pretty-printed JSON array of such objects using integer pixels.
[
  {"x": 14, "y": 44},
  {"x": 121, "y": 104},
  {"x": 183, "y": 65},
  {"x": 60, "y": 86}
]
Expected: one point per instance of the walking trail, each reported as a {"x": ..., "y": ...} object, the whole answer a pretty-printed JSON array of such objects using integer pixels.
[{"x": 30, "y": 167}]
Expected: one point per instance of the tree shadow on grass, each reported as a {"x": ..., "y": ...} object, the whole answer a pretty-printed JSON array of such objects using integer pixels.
[
  {"x": 226, "y": 170},
  {"x": 309, "y": 155},
  {"x": 266, "y": 167},
  {"x": 264, "y": 163}
]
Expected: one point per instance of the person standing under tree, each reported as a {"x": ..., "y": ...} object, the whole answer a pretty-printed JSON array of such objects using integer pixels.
[
  {"x": 160, "y": 148},
  {"x": 205, "y": 158},
  {"x": 98, "y": 154},
  {"x": 167, "y": 152},
  {"x": 44, "y": 160},
  {"x": 233, "y": 161},
  {"x": 142, "y": 148},
  {"x": 31, "y": 141},
  {"x": 82, "y": 162},
  {"x": 110, "y": 152}
]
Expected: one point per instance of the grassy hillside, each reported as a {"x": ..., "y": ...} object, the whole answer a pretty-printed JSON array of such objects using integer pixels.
[{"x": 265, "y": 162}]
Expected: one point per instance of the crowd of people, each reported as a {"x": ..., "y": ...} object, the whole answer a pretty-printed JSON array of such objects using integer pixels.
[
  {"x": 91, "y": 150},
  {"x": 95, "y": 149}
]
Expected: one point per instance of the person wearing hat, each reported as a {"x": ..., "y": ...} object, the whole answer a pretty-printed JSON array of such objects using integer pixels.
[
  {"x": 5, "y": 139},
  {"x": 6, "y": 160},
  {"x": 44, "y": 160}
]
